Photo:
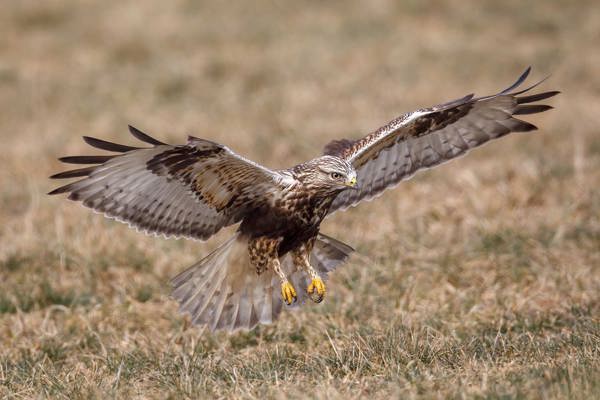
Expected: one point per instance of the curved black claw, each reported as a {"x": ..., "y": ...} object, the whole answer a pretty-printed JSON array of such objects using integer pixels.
[
  {"x": 288, "y": 293},
  {"x": 316, "y": 290}
]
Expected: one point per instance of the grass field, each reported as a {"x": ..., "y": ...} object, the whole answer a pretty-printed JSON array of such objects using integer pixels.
[{"x": 479, "y": 279}]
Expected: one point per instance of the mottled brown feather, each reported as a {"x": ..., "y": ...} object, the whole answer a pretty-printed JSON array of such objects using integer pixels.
[
  {"x": 431, "y": 136},
  {"x": 191, "y": 190},
  {"x": 195, "y": 189}
]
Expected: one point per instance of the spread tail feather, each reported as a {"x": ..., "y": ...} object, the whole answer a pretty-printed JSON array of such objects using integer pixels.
[
  {"x": 224, "y": 292},
  {"x": 328, "y": 253}
]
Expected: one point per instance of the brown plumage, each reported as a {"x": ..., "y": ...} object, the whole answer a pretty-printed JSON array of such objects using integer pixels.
[{"x": 194, "y": 190}]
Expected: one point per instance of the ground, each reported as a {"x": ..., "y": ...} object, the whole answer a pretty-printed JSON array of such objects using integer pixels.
[{"x": 479, "y": 279}]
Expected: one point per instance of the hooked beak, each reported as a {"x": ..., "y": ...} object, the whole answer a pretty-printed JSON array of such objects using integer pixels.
[{"x": 352, "y": 183}]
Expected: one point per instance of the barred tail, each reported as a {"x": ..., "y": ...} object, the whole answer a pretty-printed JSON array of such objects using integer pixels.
[{"x": 224, "y": 292}]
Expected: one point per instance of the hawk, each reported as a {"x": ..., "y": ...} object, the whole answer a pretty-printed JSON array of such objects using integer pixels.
[{"x": 277, "y": 254}]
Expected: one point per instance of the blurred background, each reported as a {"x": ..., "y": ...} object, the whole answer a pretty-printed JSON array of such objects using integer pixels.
[{"x": 479, "y": 277}]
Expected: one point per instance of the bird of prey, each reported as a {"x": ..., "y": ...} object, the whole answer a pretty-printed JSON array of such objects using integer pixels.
[{"x": 277, "y": 254}]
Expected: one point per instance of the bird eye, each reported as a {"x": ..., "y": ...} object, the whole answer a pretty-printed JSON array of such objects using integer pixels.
[{"x": 336, "y": 175}]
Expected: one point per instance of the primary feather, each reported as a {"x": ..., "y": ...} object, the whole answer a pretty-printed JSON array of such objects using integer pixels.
[
  {"x": 194, "y": 190},
  {"x": 431, "y": 136},
  {"x": 191, "y": 191}
]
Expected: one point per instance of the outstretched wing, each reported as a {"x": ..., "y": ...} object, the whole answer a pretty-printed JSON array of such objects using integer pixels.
[
  {"x": 431, "y": 136},
  {"x": 191, "y": 190}
]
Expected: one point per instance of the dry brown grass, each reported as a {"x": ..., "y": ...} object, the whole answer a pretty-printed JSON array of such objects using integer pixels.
[{"x": 479, "y": 279}]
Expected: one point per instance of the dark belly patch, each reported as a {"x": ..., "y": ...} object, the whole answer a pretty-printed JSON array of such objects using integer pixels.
[{"x": 261, "y": 250}]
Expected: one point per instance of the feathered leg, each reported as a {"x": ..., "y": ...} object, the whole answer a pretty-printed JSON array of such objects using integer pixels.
[
  {"x": 287, "y": 289},
  {"x": 263, "y": 252},
  {"x": 301, "y": 257}
]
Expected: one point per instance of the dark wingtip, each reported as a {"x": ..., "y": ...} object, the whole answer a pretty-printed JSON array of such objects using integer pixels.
[
  {"x": 144, "y": 137},
  {"x": 518, "y": 82},
  {"x": 524, "y": 126},
  {"x": 85, "y": 159},
  {"x": 531, "y": 109},
  {"x": 530, "y": 87},
  {"x": 59, "y": 190},
  {"x": 109, "y": 146},
  {"x": 525, "y": 73},
  {"x": 74, "y": 173},
  {"x": 537, "y": 97}
]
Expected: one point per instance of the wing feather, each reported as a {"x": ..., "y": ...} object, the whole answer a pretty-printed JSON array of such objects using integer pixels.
[
  {"x": 144, "y": 137},
  {"x": 108, "y": 146},
  {"x": 428, "y": 137},
  {"x": 191, "y": 190}
]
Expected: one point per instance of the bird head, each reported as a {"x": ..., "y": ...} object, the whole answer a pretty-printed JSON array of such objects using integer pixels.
[{"x": 328, "y": 174}]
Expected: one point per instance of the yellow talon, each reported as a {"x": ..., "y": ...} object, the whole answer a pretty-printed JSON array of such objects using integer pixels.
[
  {"x": 288, "y": 293},
  {"x": 316, "y": 290}
]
